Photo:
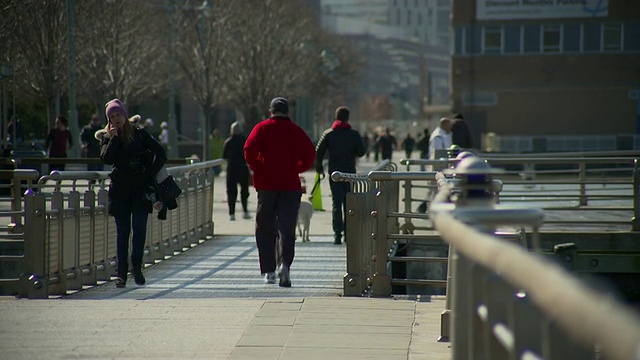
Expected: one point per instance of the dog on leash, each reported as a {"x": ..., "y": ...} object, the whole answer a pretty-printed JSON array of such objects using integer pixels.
[{"x": 304, "y": 217}]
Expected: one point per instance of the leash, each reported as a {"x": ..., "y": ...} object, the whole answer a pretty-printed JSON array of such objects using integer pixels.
[{"x": 315, "y": 185}]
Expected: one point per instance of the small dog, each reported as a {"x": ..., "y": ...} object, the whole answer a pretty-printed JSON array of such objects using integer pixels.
[{"x": 304, "y": 217}]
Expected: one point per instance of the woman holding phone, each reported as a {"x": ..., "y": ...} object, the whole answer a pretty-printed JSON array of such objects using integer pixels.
[{"x": 136, "y": 158}]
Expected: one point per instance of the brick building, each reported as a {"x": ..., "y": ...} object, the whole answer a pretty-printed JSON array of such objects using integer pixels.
[{"x": 539, "y": 67}]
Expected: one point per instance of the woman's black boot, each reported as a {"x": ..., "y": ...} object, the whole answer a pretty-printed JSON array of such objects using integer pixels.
[
  {"x": 121, "y": 281},
  {"x": 137, "y": 274}
]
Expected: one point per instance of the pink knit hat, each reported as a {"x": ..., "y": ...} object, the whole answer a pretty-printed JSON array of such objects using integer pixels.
[{"x": 115, "y": 106}]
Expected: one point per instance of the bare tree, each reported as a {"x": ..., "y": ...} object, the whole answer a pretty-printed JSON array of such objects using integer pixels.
[
  {"x": 275, "y": 53},
  {"x": 35, "y": 32},
  {"x": 121, "y": 49},
  {"x": 200, "y": 51}
]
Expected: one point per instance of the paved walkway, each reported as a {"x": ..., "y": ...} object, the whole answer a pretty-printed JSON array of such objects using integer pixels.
[{"x": 211, "y": 303}]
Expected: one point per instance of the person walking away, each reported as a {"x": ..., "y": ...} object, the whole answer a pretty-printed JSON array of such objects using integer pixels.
[
  {"x": 408, "y": 144},
  {"x": 136, "y": 158},
  {"x": 376, "y": 146},
  {"x": 367, "y": 145},
  {"x": 163, "y": 138},
  {"x": 423, "y": 146},
  {"x": 440, "y": 140},
  {"x": 237, "y": 170},
  {"x": 344, "y": 146},
  {"x": 90, "y": 146},
  {"x": 388, "y": 144},
  {"x": 460, "y": 133},
  {"x": 57, "y": 141},
  {"x": 277, "y": 151}
]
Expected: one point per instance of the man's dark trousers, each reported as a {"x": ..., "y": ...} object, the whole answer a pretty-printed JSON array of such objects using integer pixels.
[
  {"x": 339, "y": 192},
  {"x": 276, "y": 217}
]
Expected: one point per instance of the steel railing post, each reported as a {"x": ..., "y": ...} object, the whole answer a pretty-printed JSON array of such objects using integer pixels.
[
  {"x": 381, "y": 282},
  {"x": 635, "y": 221},
  {"x": 34, "y": 283},
  {"x": 582, "y": 178}
]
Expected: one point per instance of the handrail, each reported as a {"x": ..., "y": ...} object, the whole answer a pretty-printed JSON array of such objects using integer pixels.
[
  {"x": 552, "y": 289},
  {"x": 68, "y": 233}
]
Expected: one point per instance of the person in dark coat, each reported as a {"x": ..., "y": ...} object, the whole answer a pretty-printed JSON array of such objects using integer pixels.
[
  {"x": 344, "y": 146},
  {"x": 89, "y": 144},
  {"x": 136, "y": 158},
  {"x": 388, "y": 144},
  {"x": 57, "y": 141},
  {"x": 460, "y": 133},
  {"x": 237, "y": 170}
]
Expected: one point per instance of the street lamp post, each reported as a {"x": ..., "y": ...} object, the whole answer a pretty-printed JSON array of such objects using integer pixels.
[
  {"x": 73, "y": 113},
  {"x": 173, "y": 135}
]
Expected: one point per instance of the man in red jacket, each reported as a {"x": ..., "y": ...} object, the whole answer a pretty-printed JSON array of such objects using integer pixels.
[{"x": 277, "y": 151}]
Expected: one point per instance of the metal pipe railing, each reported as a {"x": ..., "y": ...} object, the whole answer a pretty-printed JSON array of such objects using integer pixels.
[{"x": 68, "y": 236}]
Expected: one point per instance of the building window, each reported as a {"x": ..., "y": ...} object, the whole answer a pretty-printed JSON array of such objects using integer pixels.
[
  {"x": 512, "y": 39},
  {"x": 591, "y": 37},
  {"x": 571, "y": 34},
  {"x": 611, "y": 37},
  {"x": 472, "y": 40},
  {"x": 398, "y": 17},
  {"x": 419, "y": 19},
  {"x": 551, "y": 38},
  {"x": 531, "y": 39},
  {"x": 631, "y": 36},
  {"x": 492, "y": 40},
  {"x": 408, "y": 17}
]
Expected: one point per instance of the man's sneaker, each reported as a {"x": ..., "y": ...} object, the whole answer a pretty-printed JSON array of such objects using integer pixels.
[
  {"x": 232, "y": 217},
  {"x": 270, "y": 278},
  {"x": 246, "y": 216},
  {"x": 285, "y": 280},
  {"x": 120, "y": 282}
]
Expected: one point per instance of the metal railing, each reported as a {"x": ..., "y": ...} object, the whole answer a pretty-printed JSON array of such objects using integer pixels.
[
  {"x": 359, "y": 227},
  {"x": 68, "y": 236},
  {"x": 608, "y": 185},
  {"x": 509, "y": 303}
]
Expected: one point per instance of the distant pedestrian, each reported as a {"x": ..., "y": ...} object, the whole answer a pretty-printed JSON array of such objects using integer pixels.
[
  {"x": 387, "y": 144},
  {"x": 57, "y": 140},
  {"x": 460, "y": 133},
  {"x": 163, "y": 138},
  {"x": 367, "y": 145},
  {"x": 89, "y": 144},
  {"x": 277, "y": 151},
  {"x": 237, "y": 170},
  {"x": 440, "y": 141},
  {"x": 344, "y": 146},
  {"x": 376, "y": 146},
  {"x": 408, "y": 144},
  {"x": 423, "y": 146}
]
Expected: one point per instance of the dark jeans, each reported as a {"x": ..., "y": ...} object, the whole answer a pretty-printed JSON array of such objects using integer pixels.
[
  {"x": 54, "y": 165},
  {"x": 232, "y": 192},
  {"x": 125, "y": 221},
  {"x": 95, "y": 167},
  {"x": 339, "y": 192},
  {"x": 276, "y": 227}
]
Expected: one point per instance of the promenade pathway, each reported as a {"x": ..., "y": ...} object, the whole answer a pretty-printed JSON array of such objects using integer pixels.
[{"x": 211, "y": 303}]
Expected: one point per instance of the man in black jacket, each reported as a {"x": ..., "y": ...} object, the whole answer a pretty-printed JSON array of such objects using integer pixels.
[{"x": 344, "y": 145}]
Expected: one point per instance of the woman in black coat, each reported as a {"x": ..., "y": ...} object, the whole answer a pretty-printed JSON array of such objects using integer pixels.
[
  {"x": 237, "y": 170},
  {"x": 136, "y": 158}
]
